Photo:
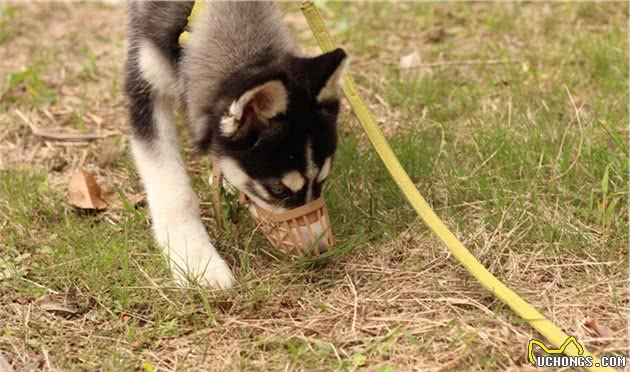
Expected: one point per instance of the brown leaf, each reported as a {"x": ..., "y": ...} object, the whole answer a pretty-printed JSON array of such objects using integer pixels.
[
  {"x": 49, "y": 303},
  {"x": 597, "y": 329},
  {"x": 84, "y": 192}
]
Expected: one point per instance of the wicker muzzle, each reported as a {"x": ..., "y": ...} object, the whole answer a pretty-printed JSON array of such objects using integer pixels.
[{"x": 305, "y": 230}]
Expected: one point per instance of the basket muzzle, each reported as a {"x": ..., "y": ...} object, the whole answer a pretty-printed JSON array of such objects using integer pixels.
[{"x": 305, "y": 230}]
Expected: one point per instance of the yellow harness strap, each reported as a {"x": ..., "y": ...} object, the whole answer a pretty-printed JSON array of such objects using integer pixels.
[
  {"x": 194, "y": 13},
  {"x": 526, "y": 311}
]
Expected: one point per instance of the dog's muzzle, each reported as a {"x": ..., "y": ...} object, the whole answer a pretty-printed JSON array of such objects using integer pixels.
[{"x": 303, "y": 231}]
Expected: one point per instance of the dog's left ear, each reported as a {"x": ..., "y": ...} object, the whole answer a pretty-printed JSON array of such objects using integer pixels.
[
  {"x": 325, "y": 73},
  {"x": 265, "y": 101},
  {"x": 258, "y": 104}
]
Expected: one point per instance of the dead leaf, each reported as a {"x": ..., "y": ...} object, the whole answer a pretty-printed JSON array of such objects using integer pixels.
[
  {"x": 84, "y": 192},
  {"x": 48, "y": 302},
  {"x": 597, "y": 329}
]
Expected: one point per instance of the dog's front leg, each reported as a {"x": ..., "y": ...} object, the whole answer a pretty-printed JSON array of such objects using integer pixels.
[{"x": 174, "y": 206}]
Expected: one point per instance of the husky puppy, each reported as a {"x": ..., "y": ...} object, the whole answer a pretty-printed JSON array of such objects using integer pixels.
[{"x": 265, "y": 113}]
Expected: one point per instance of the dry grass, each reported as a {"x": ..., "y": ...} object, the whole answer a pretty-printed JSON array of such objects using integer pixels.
[{"x": 399, "y": 302}]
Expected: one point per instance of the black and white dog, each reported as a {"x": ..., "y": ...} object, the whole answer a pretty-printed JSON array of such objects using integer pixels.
[{"x": 253, "y": 103}]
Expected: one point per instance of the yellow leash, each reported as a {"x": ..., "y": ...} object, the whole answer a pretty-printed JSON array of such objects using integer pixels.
[{"x": 526, "y": 311}]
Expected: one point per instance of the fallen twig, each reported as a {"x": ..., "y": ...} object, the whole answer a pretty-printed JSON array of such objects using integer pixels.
[{"x": 61, "y": 134}]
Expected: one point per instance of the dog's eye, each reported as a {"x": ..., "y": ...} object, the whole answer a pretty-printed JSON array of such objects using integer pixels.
[{"x": 277, "y": 188}]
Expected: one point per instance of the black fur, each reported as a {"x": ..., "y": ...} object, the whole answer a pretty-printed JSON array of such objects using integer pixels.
[{"x": 140, "y": 97}]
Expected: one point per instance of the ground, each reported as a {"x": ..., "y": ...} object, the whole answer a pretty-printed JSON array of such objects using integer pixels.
[{"x": 513, "y": 125}]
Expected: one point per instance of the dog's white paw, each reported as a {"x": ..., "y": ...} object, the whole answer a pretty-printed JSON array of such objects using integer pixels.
[
  {"x": 209, "y": 271},
  {"x": 218, "y": 275},
  {"x": 192, "y": 257}
]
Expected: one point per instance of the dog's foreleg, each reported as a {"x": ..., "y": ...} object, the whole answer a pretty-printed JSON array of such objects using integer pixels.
[{"x": 174, "y": 206}]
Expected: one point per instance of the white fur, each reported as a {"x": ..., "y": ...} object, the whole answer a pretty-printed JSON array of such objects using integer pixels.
[
  {"x": 237, "y": 177},
  {"x": 229, "y": 125},
  {"x": 279, "y": 99},
  {"x": 233, "y": 173},
  {"x": 237, "y": 107},
  {"x": 323, "y": 173},
  {"x": 293, "y": 180},
  {"x": 275, "y": 89},
  {"x": 332, "y": 89},
  {"x": 174, "y": 206},
  {"x": 156, "y": 69},
  {"x": 260, "y": 189}
]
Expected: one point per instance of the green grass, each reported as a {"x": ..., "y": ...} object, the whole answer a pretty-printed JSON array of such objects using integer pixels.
[
  {"x": 523, "y": 156},
  {"x": 533, "y": 150},
  {"x": 7, "y": 22}
]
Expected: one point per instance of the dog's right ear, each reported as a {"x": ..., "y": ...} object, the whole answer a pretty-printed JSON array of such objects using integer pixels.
[
  {"x": 333, "y": 64},
  {"x": 323, "y": 75},
  {"x": 253, "y": 109}
]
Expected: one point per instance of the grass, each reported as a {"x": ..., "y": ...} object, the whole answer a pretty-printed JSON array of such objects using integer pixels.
[{"x": 526, "y": 160}]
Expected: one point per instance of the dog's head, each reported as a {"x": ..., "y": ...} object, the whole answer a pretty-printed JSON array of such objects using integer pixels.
[{"x": 276, "y": 140}]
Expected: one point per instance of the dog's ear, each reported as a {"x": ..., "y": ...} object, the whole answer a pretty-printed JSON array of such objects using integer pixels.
[
  {"x": 325, "y": 74},
  {"x": 254, "y": 107}
]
